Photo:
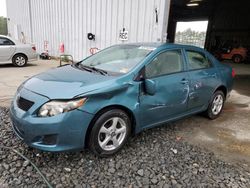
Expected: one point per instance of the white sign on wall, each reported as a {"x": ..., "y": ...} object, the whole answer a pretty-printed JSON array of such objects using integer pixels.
[{"x": 123, "y": 35}]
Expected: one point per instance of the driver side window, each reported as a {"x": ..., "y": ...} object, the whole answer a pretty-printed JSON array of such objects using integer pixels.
[{"x": 167, "y": 62}]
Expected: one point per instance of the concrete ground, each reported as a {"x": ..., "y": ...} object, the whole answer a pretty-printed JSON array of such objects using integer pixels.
[
  {"x": 227, "y": 136},
  {"x": 11, "y": 77}
]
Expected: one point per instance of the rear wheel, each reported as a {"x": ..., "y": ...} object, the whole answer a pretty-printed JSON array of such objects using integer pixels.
[
  {"x": 237, "y": 58},
  {"x": 216, "y": 105},
  {"x": 110, "y": 132},
  {"x": 19, "y": 60}
]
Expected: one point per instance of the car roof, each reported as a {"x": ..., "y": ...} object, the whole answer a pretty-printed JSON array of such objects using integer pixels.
[
  {"x": 10, "y": 38},
  {"x": 3, "y": 36},
  {"x": 173, "y": 45},
  {"x": 166, "y": 45}
]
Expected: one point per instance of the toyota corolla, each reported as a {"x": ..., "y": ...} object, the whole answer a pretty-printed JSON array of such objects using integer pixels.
[{"x": 102, "y": 100}]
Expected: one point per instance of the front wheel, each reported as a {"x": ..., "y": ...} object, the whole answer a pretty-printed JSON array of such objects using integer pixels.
[
  {"x": 110, "y": 132},
  {"x": 216, "y": 105}
]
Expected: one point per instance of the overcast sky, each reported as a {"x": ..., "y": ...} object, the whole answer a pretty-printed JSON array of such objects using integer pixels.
[
  {"x": 3, "y": 8},
  {"x": 196, "y": 26}
]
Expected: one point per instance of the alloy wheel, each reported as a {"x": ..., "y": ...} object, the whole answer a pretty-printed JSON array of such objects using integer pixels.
[
  {"x": 112, "y": 133},
  {"x": 20, "y": 61},
  {"x": 217, "y": 104}
]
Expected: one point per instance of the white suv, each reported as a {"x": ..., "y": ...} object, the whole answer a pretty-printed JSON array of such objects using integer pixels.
[{"x": 15, "y": 52}]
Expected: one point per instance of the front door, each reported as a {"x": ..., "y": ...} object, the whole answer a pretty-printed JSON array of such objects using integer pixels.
[{"x": 166, "y": 70}]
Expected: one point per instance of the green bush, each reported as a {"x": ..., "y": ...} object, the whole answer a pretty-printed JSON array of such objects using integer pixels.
[{"x": 3, "y": 26}]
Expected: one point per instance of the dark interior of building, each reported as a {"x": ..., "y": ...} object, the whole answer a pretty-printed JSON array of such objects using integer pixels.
[{"x": 228, "y": 21}]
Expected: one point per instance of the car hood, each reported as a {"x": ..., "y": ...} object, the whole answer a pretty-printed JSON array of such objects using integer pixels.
[{"x": 66, "y": 82}]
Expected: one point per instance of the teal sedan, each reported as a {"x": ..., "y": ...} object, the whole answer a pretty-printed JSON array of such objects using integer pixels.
[{"x": 102, "y": 100}]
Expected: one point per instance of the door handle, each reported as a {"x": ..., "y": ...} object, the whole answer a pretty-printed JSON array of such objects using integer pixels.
[{"x": 184, "y": 81}]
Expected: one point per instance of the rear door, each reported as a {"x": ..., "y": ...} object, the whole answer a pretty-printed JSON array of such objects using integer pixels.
[
  {"x": 203, "y": 79},
  {"x": 166, "y": 70},
  {"x": 7, "y": 49}
]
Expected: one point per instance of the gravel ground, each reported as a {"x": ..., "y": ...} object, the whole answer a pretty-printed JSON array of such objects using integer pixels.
[{"x": 154, "y": 158}]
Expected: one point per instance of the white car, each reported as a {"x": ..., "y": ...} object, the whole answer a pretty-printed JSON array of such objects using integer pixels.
[{"x": 15, "y": 52}]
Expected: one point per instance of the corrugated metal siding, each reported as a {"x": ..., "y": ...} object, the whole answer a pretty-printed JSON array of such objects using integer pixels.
[
  {"x": 18, "y": 14},
  {"x": 69, "y": 21}
]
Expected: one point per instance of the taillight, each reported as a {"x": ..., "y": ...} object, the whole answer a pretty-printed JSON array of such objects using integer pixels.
[
  {"x": 233, "y": 73},
  {"x": 34, "y": 48}
]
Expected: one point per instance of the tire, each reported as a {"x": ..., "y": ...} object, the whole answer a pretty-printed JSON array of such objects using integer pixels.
[
  {"x": 106, "y": 139},
  {"x": 214, "y": 112},
  {"x": 19, "y": 60},
  {"x": 237, "y": 58}
]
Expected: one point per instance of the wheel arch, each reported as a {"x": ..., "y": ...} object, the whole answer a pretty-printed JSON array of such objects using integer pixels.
[
  {"x": 19, "y": 53},
  {"x": 237, "y": 54},
  {"x": 223, "y": 89},
  {"x": 105, "y": 109}
]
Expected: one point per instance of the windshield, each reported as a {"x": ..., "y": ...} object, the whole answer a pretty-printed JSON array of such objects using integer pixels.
[{"x": 118, "y": 59}]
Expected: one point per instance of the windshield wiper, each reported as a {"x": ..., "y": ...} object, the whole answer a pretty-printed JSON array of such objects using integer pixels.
[
  {"x": 91, "y": 69},
  {"x": 103, "y": 72},
  {"x": 79, "y": 65}
]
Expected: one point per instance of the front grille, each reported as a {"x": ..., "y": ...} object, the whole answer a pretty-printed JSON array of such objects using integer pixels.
[{"x": 24, "y": 104}]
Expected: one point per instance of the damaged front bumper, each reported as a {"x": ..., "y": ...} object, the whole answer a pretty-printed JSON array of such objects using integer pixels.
[{"x": 63, "y": 132}]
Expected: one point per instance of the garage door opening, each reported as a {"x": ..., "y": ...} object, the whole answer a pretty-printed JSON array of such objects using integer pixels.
[{"x": 191, "y": 33}]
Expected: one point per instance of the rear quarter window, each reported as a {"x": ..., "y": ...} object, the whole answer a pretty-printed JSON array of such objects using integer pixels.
[
  {"x": 197, "y": 60},
  {"x": 5, "y": 42}
]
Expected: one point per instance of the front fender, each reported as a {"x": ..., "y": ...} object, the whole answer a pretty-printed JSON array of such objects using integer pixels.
[{"x": 125, "y": 95}]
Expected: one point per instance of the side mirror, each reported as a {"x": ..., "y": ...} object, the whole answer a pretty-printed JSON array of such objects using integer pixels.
[{"x": 150, "y": 86}]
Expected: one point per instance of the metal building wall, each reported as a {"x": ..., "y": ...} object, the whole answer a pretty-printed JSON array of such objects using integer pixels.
[
  {"x": 18, "y": 18},
  {"x": 69, "y": 21}
]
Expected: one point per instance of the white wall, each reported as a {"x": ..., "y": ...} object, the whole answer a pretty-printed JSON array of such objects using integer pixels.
[
  {"x": 69, "y": 21},
  {"x": 18, "y": 18}
]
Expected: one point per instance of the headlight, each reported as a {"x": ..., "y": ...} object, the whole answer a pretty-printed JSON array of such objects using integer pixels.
[{"x": 56, "y": 107}]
